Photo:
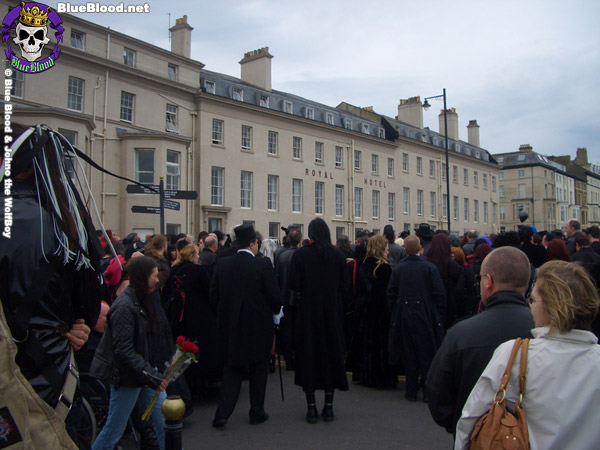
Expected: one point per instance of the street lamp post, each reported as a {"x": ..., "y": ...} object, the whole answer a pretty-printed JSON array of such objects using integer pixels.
[{"x": 426, "y": 106}]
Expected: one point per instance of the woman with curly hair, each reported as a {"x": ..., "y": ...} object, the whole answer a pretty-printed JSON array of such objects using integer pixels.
[
  {"x": 563, "y": 366},
  {"x": 369, "y": 355}
]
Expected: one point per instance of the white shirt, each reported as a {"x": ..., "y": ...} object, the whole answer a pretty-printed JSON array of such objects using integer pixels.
[{"x": 562, "y": 391}]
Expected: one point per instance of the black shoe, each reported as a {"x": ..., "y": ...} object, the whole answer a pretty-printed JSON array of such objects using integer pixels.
[
  {"x": 312, "y": 416},
  {"x": 411, "y": 397},
  {"x": 219, "y": 423},
  {"x": 272, "y": 363},
  {"x": 255, "y": 420},
  {"x": 327, "y": 413}
]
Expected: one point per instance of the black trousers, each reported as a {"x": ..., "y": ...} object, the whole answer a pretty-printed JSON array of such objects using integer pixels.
[{"x": 232, "y": 383}]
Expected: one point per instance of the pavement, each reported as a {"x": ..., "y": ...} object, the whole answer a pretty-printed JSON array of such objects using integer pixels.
[{"x": 365, "y": 418}]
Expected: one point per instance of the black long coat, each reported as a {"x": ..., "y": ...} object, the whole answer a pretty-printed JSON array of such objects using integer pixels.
[
  {"x": 246, "y": 292},
  {"x": 319, "y": 340},
  {"x": 417, "y": 299}
]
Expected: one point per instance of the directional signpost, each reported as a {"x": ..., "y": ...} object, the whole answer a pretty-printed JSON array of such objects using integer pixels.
[{"x": 165, "y": 199}]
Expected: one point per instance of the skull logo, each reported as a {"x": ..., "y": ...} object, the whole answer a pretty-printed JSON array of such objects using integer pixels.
[{"x": 31, "y": 40}]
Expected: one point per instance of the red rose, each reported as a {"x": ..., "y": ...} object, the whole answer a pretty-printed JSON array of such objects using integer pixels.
[
  {"x": 189, "y": 347},
  {"x": 180, "y": 340}
]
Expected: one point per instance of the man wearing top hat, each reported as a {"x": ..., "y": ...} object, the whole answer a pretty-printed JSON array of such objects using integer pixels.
[
  {"x": 245, "y": 289},
  {"x": 425, "y": 233}
]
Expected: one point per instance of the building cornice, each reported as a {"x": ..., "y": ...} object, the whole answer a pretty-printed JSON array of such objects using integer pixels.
[
  {"x": 156, "y": 135},
  {"x": 34, "y": 109}
]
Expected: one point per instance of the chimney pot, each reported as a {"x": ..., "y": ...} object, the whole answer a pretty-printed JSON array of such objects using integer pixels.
[
  {"x": 473, "y": 133},
  {"x": 525, "y": 148},
  {"x": 410, "y": 111},
  {"x": 181, "y": 37},
  {"x": 256, "y": 68},
  {"x": 452, "y": 118}
]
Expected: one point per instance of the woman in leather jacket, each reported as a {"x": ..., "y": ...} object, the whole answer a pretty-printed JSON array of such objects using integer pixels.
[{"x": 124, "y": 350}]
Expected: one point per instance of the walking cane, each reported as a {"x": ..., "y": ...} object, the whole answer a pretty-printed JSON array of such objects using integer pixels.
[{"x": 279, "y": 362}]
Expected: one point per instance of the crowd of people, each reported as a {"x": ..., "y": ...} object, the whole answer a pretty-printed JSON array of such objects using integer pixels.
[{"x": 441, "y": 310}]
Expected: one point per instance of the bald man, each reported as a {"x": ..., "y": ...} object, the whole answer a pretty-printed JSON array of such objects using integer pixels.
[{"x": 470, "y": 344}]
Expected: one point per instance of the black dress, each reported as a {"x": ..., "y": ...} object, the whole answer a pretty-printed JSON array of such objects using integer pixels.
[{"x": 369, "y": 354}]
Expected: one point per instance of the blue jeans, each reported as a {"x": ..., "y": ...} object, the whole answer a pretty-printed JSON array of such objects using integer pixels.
[{"x": 122, "y": 401}]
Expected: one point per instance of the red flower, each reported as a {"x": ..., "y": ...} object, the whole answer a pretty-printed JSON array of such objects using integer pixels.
[
  {"x": 189, "y": 347},
  {"x": 180, "y": 340}
]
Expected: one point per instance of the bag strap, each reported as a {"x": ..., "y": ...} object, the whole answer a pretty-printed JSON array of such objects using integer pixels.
[
  {"x": 501, "y": 393},
  {"x": 523, "y": 371}
]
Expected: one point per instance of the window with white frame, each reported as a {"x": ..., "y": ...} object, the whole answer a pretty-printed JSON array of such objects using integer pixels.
[
  {"x": 390, "y": 167},
  {"x": 358, "y": 201},
  {"x": 374, "y": 164},
  {"x": 357, "y": 160},
  {"x": 173, "y": 72},
  {"x": 246, "y": 189},
  {"x": 127, "y": 105},
  {"x": 419, "y": 165},
  {"x": 273, "y": 138},
  {"x": 406, "y": 200},
  {"x": 238, "y": 94},
  {"x": 485, "y": 212},
  {"x": 339, "y": 156},
  {"x": 319, "y": 188},
  {"x": 18, "y": 81},
  {"x": 432, "y": 205},
  {"x": 75, "y": 94},
  {"x": 296, "y": 195},
  {"x": 475, "y": 210},
  {"x": 466, "y": 177},
  {"x": 172, "y": 118},
  {"x": 521, "y": 173},
  {"x": 485, "y": 181},
  {"x": 144, "y": 165},
  {"x": 502, "y": 213},
  {"x": 129, "y": 57},
  {"x": 405, "y": 162},
  {"x": 272, "y": 192},
  {"x": 454, "y": 174},
  {"x": 443, "y": 171},
  {"x": 339, "y": 200},
  {"x": 391, "y": 206},
  {"x": 217, "y": 132},
  {"x": 216, "y": 186},
  {"x": 501, "y": 175},
  {"x": 466, "y": 209},
  {"x": 309, "y": 113},
  {"x": 287, "y": 107},
  {"x": 263, "y": 101},
  {"x": 348, "y": 124},
  {"x": 444, "y": 205},
  {"x": 419, "y": 202},
  {"x": 432, "y": 168},
  {"x": 297, "y": 148},
  {"x": 173, "y": 170},
  {"x": 319, "y": 152},
  {"x": 475, "y": 178},
  {"x": 375, "y": 203},
  {"x": 246, "y": 137},
  {"x": 501, "y": 194},
  {"x": 381, "y": 133},
  {"x": 521, "y": 191},
  {"x": 455, "y": 207},
  {"x": 78, "y": 39},
  {"x": 365, "y": 128},
  {"x": 210, "y": 87},
  {"x": 329, "y": 118}
]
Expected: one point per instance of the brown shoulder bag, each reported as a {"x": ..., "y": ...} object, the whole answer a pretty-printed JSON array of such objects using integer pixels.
[{"x": 499, "y": 428}]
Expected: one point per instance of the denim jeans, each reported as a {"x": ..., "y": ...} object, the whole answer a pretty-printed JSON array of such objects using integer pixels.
[{"x": 122, "y": 401}]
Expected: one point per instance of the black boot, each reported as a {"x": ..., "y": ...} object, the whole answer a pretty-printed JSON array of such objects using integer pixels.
[
  {"x": 327, "y": 413},
  {"x": 312, "y": 416}
]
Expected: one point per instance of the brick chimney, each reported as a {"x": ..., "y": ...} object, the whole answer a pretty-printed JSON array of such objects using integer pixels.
[
  {"x": 525, "y": 148},
  {"x": 452, "y": 123},
  {"x": 256, "y": 68},
  {"x": 410, "y": 111},
  {"x": 181, "y": 37},
  {"x": 473, "y": 132},
  {"x": 582, "y": 157}
]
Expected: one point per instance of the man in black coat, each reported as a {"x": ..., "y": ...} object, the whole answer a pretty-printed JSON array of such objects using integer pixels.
[
  {"x": 470, "y": 344},
  {"x": 587, "y": 257},
  {"x": 208, "y": 255},
  {"x": 246, "y": 291},
  {"x": 416, "y": 297},
  {"x": 572, "y": 230}
]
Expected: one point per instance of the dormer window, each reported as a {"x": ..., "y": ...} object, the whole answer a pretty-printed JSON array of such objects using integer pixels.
[
  {"x": 263, "y": 101},
  {"x": 238, "y": 94},
  {"x": 365, "y": 128},
  {"x": 210, "y": 87},
  {"x": 287, "y": 107},
  {"x": 348, "y": 124},
  {"x": 309, "y": 113},
  {"x": 381, "y": 133},
  {"x": 329, "y": 118}
]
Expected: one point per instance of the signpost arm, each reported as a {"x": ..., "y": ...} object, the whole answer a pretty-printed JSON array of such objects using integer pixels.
[{"x": 161, "y": 189}]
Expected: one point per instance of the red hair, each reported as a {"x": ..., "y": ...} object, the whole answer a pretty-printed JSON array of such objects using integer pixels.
[{"x": 557, "y": 249}]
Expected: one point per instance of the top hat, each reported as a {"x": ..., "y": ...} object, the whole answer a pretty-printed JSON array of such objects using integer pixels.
[
  {"x": 290, "y": 228},
  {"x": 244, "y": 234},
  {"x": 424, "y": 231}
]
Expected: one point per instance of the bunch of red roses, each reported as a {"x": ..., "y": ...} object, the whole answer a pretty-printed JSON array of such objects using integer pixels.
[{"x": 183, "y": 357}]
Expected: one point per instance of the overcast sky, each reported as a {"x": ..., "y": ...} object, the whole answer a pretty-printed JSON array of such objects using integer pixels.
[{"x": 528, "y": 71}]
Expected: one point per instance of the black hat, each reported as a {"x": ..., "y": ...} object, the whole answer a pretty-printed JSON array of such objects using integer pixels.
[
  {"x": 289, "y": 228},
  {"x": 424, "y": 231},
  {"x": 244, "y": 234}
]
